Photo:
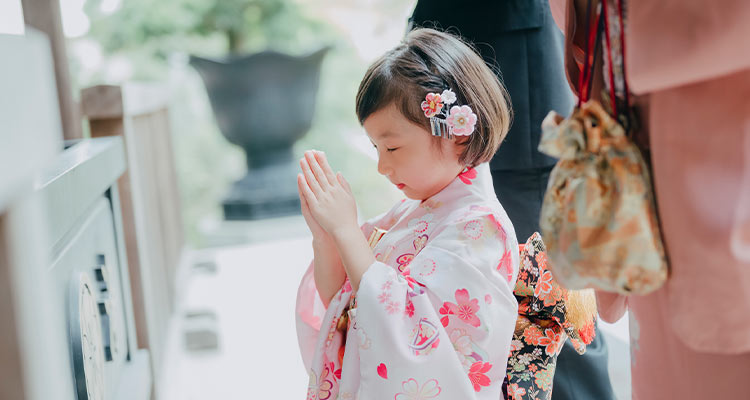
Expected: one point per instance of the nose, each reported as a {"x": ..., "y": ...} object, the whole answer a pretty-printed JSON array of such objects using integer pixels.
[{"x": 383, "y": 167}]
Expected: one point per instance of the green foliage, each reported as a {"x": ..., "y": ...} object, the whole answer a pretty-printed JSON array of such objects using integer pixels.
[{"x": 194, "y": 26}]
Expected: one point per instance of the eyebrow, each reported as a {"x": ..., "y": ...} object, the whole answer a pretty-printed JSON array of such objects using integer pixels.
[{"x": 386, "y": 135}]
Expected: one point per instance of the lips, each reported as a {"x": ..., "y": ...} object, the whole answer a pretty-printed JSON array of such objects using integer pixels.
[{"x": 400, "y": 186}]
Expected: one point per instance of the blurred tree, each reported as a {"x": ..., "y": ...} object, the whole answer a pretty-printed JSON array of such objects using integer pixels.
[{"x": 196, "y": 26}]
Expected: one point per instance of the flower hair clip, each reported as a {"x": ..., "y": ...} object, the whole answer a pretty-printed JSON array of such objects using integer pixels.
[{"x": 459, "y": 121}]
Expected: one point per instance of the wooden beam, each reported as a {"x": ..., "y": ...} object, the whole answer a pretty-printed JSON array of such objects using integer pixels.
[{"x": 44, "y": 15}]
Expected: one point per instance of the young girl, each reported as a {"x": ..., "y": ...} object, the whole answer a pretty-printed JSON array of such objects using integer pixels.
[{"x": 425, "y": 309}]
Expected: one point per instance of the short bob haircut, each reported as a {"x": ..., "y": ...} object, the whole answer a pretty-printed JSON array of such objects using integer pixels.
[{"x": 431, "y": 61}]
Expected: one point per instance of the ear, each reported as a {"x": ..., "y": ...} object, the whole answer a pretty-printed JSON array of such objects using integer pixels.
[
  {"x": 459, "y": 144},
  {"x": 461, "y": 140}
]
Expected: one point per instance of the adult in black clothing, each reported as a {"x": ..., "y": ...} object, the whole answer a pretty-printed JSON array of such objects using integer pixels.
[{"x": 521, "y": 41}]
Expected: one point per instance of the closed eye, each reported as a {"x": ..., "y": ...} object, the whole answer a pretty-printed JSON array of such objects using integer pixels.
[{"x": 390, "y": 150}]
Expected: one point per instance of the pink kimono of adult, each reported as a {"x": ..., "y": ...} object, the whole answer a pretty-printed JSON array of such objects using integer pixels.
[
  {"x": 434, "y": 315},
  {"x": 690, "y": 62}
]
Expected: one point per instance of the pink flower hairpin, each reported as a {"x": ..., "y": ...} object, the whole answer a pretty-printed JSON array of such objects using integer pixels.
[{"x": 459, "y": 121}]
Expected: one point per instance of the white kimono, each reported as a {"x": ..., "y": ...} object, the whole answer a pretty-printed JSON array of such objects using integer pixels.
[{"x": 434, "y": 315}]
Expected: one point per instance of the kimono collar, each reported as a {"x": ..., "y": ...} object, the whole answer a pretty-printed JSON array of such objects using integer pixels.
[{"x": 475, "y": 182}]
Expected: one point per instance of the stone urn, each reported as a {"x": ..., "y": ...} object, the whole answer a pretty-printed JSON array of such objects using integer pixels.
[{"x": 264, "y": 103}]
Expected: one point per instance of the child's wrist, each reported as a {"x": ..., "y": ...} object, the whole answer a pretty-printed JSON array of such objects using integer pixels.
[
  {"x": 344, "y": 233},
  {"x": 323, "y": 242}
]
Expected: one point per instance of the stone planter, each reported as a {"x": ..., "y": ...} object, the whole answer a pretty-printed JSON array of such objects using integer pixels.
[{"x": 264, "y": 103}]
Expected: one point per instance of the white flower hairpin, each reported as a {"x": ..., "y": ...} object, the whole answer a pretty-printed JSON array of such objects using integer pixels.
[{"x": 459, "y": 121}]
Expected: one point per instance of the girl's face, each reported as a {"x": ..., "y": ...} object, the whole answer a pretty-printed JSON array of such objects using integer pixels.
[{"x": 408, "y": 156}]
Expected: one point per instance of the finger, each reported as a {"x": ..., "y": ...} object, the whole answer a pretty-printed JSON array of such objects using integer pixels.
[
  {"x": 317, "y": 170},
  {"x": 312, "y": 183},
  {"x": 307, "y": 193},
  {"x": 343, "y": 182},
  {"x": 301, "y": 184},
  {"x": 323, "y": 161}
]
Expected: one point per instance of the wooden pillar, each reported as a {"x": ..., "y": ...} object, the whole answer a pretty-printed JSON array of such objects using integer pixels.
[
  {"x": 44, "y": 15},
  {"x": 103, "y": 107},
  {"x": 150, "y": 202}
]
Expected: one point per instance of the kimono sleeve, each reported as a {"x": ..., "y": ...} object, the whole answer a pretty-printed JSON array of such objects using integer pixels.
[
  {"x": 310, "y": 309},
  {"x": 443, "y": 326}
]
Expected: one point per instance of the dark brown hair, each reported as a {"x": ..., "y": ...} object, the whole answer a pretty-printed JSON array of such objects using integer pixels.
[{"x": 431, "y": 61}]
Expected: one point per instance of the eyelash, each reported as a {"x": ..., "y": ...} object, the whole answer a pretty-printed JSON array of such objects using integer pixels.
[{"x": 388, "y": 150}]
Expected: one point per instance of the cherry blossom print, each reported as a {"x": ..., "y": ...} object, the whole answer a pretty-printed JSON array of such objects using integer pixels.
[
  {"x": 384, "y": 297},
  {"x": 532, "y": 334},
  {"x": 409, "y": 309},
  {"x": 467, "y": 176},
  {"x": 465, "y": 309},
  {"x": 552, "y": 297},
  {"x": 543, "y": 378},
  {"x": 515, "y": 392},
  {"x": 413, "y": 391},
  {"x": 430, "y": 313},
  {"x": 477, "y": 375},
  {"x": 551, "y": 341},
  {"x": 393, "y": 307},
  {"x": 544, "y": 285},
  {"x": 541, "y": 260}
]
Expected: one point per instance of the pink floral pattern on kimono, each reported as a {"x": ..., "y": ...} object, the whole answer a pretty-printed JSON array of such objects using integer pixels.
[
  {"x": 467, "y": 176},
  {"x": 437, "y": 327}
]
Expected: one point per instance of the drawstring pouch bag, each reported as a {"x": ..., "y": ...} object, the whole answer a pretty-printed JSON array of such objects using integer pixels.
[{"x": 598, "y": 215}]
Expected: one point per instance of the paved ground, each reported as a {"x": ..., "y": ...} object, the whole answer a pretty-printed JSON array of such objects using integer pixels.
[{"x": 253, "y": 293}]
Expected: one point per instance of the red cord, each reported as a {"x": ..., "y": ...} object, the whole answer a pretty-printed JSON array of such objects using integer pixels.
[
  {"x": 589, "y": 67},
  {"x": 584, "y": 65}
]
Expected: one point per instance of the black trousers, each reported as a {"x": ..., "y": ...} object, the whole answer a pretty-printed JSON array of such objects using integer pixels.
[{"x": 577, "y": 377}]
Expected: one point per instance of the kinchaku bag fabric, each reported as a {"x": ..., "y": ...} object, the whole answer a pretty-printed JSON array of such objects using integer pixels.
[{"x": 598, "y": 215}]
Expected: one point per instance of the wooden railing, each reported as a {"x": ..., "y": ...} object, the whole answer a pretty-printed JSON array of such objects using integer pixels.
[
  {"x": 102, "y": 215},
  {"x": 150, "y": 203}
]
